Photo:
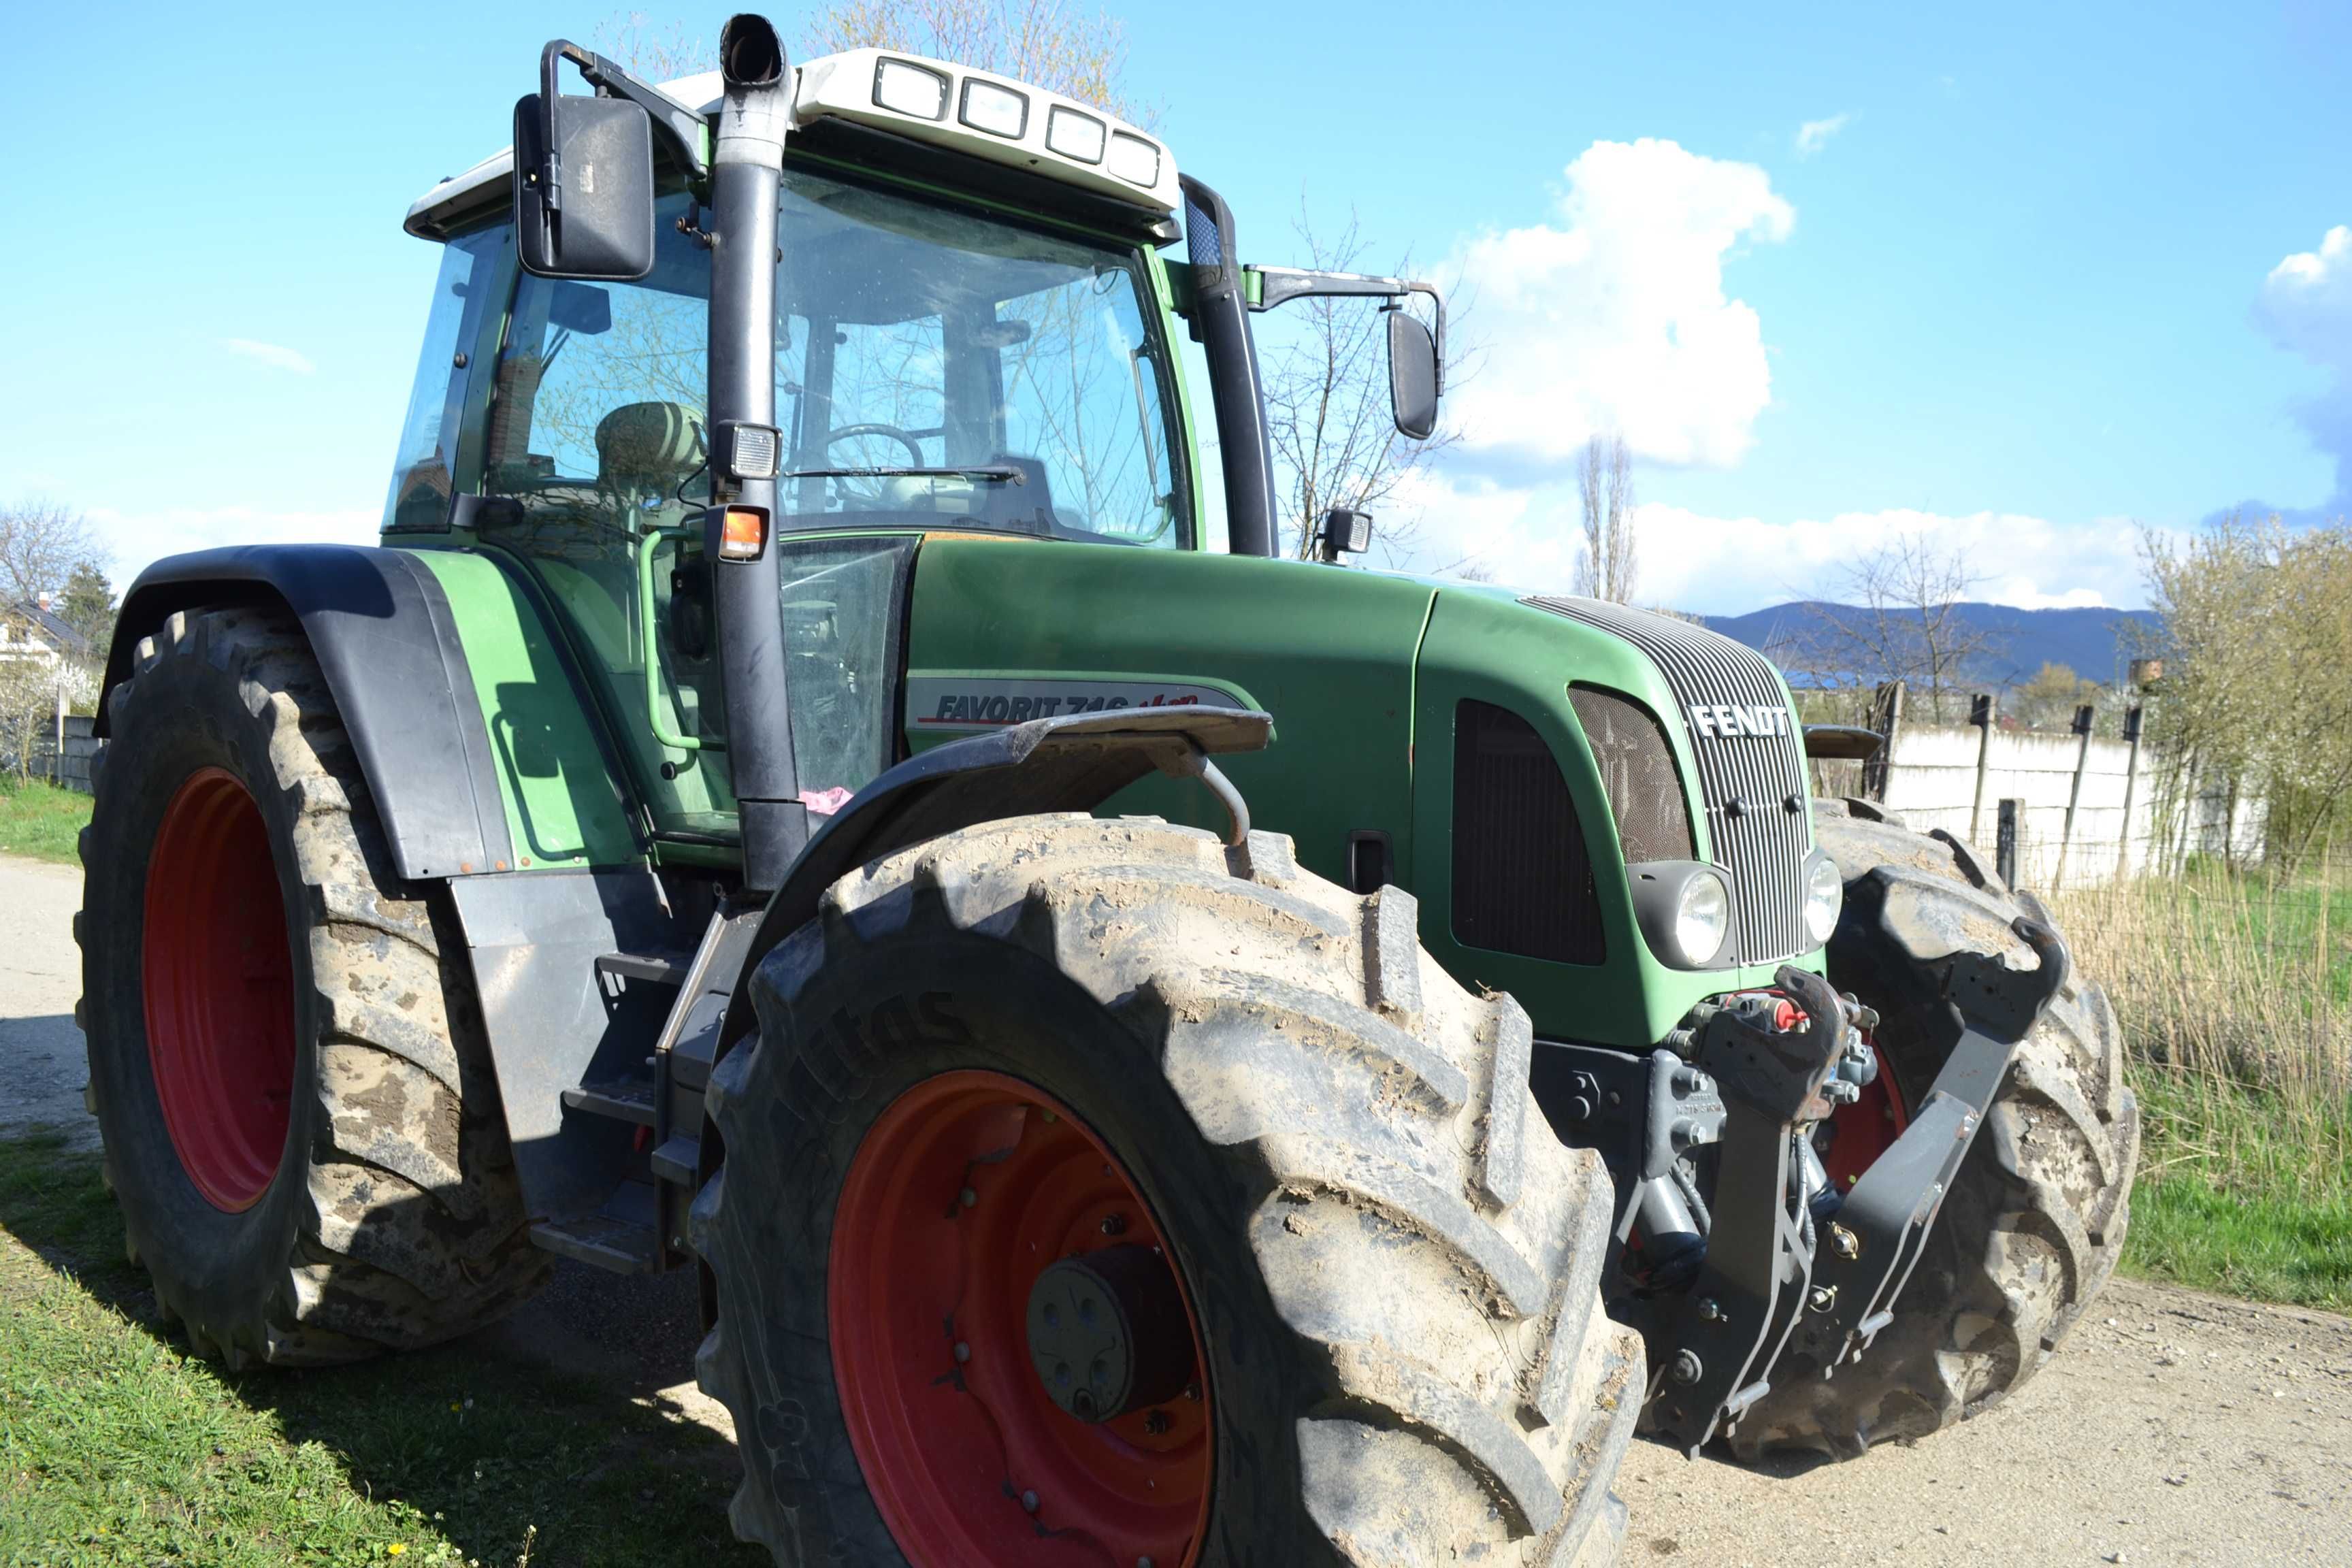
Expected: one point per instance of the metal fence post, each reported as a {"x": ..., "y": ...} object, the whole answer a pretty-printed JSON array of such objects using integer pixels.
[
  {"x": 2004, "y": 852},
  {"x": 1980, "y": 714},
  {"x": 2084, "y": 717},
  {"x": 2131, "y": 789}
]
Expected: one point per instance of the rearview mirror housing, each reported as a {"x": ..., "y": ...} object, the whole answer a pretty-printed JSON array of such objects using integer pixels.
[
  {"x": 584, "y": 188},
  {"x": 1412, "y": 376}
]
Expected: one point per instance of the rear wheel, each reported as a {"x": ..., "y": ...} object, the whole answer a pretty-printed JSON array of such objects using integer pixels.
[
  {"x": 300, "y": 1123},
  {"x": 2035, "y": 1220},
  {"x": 1087, "y": 1202}
]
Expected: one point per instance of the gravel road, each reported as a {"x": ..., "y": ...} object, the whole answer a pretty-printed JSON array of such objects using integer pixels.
[{"x": 2175, "y": 1428}]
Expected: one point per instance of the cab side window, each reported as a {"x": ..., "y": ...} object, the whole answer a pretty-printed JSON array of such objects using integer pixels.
[{"x": 424, "y": 468}]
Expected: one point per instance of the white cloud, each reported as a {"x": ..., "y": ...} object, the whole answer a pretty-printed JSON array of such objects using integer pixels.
[
  {"x": 1616, "y": 319},
  {"x": 1528, "y": 537},
  {"x": 135, "y": 539},
  {"x": 2306, "y": 305},
  {"x": 277, "y": 356},
  {"x": 1814, "y": 134}
]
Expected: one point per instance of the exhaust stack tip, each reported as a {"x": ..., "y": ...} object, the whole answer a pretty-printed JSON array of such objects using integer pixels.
[{"x": 749, "y": 53}]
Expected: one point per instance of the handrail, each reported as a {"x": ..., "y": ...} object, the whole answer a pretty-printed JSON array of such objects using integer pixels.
[{"x": 647, "y": 542}]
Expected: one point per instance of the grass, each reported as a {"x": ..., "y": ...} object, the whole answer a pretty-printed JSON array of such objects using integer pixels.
[
  {"x": 40, "y": 820},
  {"x": 2235, "y": 994},
  {"x": 118, "y": 1446}
]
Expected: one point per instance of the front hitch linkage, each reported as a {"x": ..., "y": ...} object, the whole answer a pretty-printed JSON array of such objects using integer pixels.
[{"x": 1774, "y": 1286}]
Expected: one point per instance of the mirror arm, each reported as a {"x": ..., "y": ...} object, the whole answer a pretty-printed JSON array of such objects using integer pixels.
[
  {"x": 689, "y": 138},
  {"x": 1281, "y": 285}
]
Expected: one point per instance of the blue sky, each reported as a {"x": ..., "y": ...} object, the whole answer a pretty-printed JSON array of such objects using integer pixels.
[{"x": 2033, "y": 280}]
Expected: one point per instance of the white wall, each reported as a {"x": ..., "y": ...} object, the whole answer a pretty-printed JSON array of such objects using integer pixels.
[{"x": 1932, "y": 777}]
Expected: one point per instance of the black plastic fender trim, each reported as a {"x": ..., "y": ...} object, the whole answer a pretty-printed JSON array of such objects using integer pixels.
[
  {"x": 1073, "y": 763},
  {"x": 388, "y": 646}
]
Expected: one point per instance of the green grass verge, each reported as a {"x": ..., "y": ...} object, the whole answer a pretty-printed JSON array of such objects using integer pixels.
[
  {"x": 40, "y": 820},
  {"x": 118, "y": 1446},
  {"x": 2242, "y": 1193}
]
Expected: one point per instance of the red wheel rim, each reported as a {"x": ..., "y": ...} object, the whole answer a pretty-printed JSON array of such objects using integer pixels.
[
  {"x": 959, "y": 1197},
  {"x": 219, "y": 985},
  {"x": 1861, "y": 1131}
]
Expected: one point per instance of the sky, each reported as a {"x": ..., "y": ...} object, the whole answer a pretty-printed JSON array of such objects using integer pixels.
[{"x": 2031, "y": 280}]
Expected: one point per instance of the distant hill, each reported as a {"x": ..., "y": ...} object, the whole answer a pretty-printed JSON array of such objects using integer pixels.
[{"x": 2093, "y": 643}]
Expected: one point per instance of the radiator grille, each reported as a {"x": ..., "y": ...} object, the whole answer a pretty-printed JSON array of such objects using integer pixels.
[
  {"x": 1753, "y": 785},
  {"x": 1522, "y": 873}
]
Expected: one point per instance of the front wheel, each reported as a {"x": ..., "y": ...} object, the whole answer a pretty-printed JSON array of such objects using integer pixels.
[{"x": 1087, "y": 1202}]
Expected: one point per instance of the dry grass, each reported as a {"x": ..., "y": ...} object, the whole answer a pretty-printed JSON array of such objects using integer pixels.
[{"x": 2235, "y": 994}]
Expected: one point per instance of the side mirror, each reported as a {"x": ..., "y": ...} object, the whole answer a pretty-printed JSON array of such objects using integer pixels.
[
  {"x": 1412, "y": 376},
  {"x": 1342, "y": 530},
  {"x": 583, "y": 186}
]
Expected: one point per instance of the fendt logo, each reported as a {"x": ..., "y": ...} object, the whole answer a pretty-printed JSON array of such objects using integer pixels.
[{"x": 1724, "y": 721}]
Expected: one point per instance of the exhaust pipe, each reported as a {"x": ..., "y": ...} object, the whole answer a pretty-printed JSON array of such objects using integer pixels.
[{"x": 747, "y": 167}]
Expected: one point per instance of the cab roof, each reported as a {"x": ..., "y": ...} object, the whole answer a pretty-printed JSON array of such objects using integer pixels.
[{"x": 956, "y": 108}]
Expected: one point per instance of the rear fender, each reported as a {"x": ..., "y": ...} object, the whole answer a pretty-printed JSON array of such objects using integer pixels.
[{"x": 381, "y": 629}]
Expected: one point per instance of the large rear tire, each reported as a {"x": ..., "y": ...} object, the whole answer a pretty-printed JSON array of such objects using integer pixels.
[
  {"x": 2035, "y": 1220},
  {"x": 1388, "y": 1266},
  {"x": 301, "y": 1121}
]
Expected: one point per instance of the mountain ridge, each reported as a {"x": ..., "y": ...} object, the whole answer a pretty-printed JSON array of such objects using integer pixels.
[{"x": 2097, "y": 642}]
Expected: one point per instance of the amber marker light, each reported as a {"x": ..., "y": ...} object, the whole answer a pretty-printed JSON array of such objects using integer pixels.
[{"x": 744, "y": 534}]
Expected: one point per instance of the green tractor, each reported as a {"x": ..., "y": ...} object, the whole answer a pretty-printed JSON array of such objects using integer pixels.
[{"x": 1160, "y": 1053}]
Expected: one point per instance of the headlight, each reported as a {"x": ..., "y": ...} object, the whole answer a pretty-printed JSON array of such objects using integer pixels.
[
  {"x": 1824, "y": 894},
  {"x": 1702, "y": 918}
]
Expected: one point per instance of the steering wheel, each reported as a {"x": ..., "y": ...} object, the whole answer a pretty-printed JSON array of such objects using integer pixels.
[{"x": 868, "y": 490}]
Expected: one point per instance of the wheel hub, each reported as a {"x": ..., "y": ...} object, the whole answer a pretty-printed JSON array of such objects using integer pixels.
[{"x": 1107, "y": 1332}]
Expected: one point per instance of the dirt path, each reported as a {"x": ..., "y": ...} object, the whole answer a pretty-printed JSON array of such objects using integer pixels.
[
  {"x": 2174, "y": 1428},
  {"x": 42, "y": 1068}
]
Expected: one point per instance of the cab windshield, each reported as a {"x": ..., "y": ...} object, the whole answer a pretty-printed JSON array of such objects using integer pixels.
[{"x": 935, "y": 367}]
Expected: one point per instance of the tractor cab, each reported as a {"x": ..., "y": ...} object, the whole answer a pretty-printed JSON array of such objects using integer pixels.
[{"x": 976, "y": 332}]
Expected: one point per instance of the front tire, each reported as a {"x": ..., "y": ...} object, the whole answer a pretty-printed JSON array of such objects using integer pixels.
[
  {"x": 2035, "y": 1220},
  {"x": 1390, "y": 1266},
  {"x": 300, "y": 1121}
]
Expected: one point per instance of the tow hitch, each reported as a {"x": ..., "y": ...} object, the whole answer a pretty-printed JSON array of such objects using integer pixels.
[{"x": 1795, "y": 1280}]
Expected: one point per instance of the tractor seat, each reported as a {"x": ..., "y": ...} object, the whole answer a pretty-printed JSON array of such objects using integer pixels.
[{"x": 645, "y": 450}]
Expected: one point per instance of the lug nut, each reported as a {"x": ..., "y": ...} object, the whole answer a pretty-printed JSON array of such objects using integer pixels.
[
  {"x": 1157, "y": 1422},
  {"x": 1114, "y": 1224}
]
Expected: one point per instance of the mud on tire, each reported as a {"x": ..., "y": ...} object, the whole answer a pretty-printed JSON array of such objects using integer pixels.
[
  {"x": 2035, "y": 1221},
  {"x": 1395, "y": 1262},
  {"x": 393, "y": 1218}
]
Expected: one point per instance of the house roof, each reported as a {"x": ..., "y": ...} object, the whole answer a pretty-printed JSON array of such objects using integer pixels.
[{"x": 60, "y": 635}]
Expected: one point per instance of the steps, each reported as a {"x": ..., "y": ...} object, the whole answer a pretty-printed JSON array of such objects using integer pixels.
[{"x": 641, "y": 1228}]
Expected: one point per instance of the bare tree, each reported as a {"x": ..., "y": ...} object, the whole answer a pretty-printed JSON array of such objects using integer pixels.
[
  {"x": 631, "y": 37},
  {"x": 1898, "y": 619},
  {"x": 1604, "y": 475},
  {"x": 1327, "y": 401},
  {"x": 40, "y": 544}
]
